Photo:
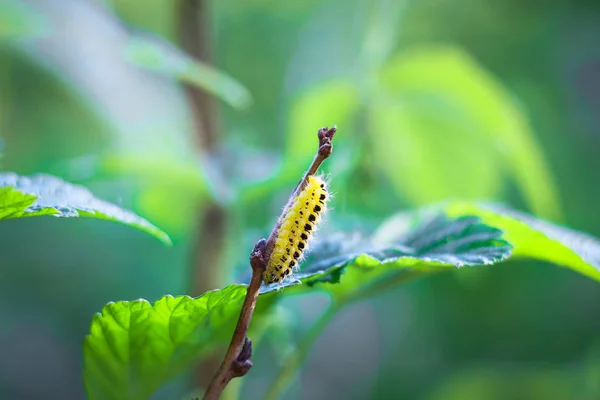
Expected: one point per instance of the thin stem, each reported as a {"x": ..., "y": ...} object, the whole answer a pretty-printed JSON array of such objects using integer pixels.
[
  {"x": 237, "y": 358},
  {"x": 234, "y": 364},
  {"x": 295, "y": 361}
]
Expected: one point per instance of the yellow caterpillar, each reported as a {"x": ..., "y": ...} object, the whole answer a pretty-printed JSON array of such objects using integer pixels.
[{"x": 300, "y": 221}]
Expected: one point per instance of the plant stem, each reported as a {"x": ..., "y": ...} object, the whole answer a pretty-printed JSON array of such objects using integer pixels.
[
  {"x": 295, "y": 361},
  {"x": 232, "y": 365},
  {"x": 237, "y": 361}
]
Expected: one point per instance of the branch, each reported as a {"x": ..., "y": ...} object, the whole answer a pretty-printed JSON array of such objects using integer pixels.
[
  {"x": 237, "y": 361},
  {"x": 211, "y": 218}
]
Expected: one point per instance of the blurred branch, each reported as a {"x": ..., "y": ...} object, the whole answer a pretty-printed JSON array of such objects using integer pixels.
[
  {"x": 211, "y": 218},
  {"x": 237, "y": 361},
  {"x": 195, "y": 39}
]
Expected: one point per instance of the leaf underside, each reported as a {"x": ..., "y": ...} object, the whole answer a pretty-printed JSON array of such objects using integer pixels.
[{"x": 37, "y": 195}]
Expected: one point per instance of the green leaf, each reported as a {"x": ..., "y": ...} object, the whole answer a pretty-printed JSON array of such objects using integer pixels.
[
  {"x": 362, "y": 267},
  {"x": 413, "y": 147},
  {"x": 22, "y": 196},
  {"x": 13, "y": 203},
  {"x": 536, "y": 238},
  {"x": 458, "y": 130},
  {"x": 157, "y": 55},
  {"x": 133, "y": 346}
]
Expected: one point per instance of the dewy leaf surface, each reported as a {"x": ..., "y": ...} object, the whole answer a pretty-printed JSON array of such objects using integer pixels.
[
  {"x": 536, "y": 238},
  {"x": 134, "y": 346},
  {"x": 22, "y": 196}
]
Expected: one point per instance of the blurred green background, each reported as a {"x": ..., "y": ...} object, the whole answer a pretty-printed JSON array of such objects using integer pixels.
[{"x": 433, "y": 99}]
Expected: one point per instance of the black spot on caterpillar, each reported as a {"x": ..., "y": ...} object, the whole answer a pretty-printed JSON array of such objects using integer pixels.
[{"x": 299, "y": 222}]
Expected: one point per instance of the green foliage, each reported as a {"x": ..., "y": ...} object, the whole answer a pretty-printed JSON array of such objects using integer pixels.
[
  {"x": 134, "y": 347},
  {"x": 159, "y": 56},
  {"x": 14, "y": 203},
  {"x": 439, "y": 126},
  {"x": 538, "y": 239},
  {"x": 38, "y": 195},
  {"x": 447, "y": 123},
  {"x": 362, "y": 267},
  {"x": 120, "y": 144},
  {"x": 143, "y": 142},
  {"x": 459, "y": 130}
]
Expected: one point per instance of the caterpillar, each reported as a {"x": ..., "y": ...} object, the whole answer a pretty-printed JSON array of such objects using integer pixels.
[{"x": 298, "y": 224}]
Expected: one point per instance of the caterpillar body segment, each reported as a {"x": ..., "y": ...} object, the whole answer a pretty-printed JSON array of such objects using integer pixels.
[{"x": 299, "y": 223}]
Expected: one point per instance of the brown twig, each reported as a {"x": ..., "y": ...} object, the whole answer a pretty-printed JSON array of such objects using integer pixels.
[{"x": 237, "y": 361}]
